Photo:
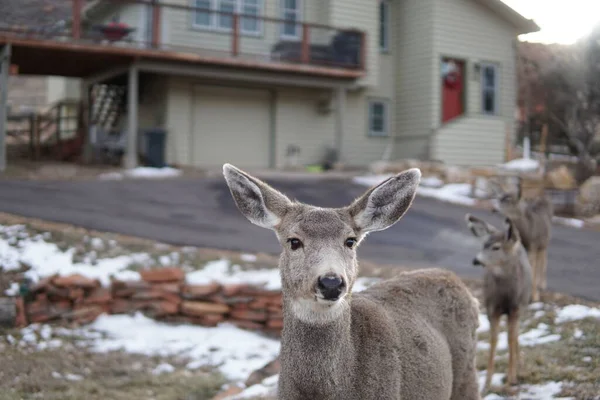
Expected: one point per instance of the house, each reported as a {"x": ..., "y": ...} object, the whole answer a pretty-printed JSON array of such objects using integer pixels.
[{"x": 252, "y": 81}]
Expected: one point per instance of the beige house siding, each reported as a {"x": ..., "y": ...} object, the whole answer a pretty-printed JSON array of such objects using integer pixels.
[
  {"x": 467, "y": 29},
  {"x": 179, "y": 30},
  {"x": 363, "y": 15},
  {"x": 179, "y": 121},
  {"x": 415, "y": 66},
  {"x": 299, "y": 123}
]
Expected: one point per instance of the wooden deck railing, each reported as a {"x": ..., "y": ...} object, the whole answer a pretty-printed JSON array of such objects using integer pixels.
[{"x": 212, "y": 32}]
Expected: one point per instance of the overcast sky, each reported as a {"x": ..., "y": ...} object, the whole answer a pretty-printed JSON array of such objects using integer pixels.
[{"x": 561, "y": 21}]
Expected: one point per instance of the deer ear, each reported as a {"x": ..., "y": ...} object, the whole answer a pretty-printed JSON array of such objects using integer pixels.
[
  {"x": 383, "y": 205},
  {"x": 479, "y": 227},
  {"x": 257, "y": 201}
]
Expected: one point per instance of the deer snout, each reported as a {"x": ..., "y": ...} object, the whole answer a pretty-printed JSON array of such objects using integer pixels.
[
  {"x": 476, "y": 262},
  {"x": 330, "y": 286}
]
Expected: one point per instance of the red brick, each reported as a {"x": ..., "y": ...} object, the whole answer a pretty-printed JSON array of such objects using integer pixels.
[
  {"x": 84, "y": 315},
  {"x": 162, "y": 275},
  {"x": 99, "y": 296},
  {"x": 174, "y": 288},
  {"x": 43, "y": 284},
  {"x": 161, "y": 308},
  {"x": 275, "y": 323},
  {"x": 260, "y": 292},
  {"x": 276, "y": 314},
  {"x": 41, "y": 297},
  {"x": 199, "y": 291},
  {"x": 234, "y": 301},
  {"x": 146, "y": 295},
  {"x": 120, "y": 306},
  {"x": 198, "y": 308},
  {"x": 270, "y": 369},
  {"x": 76, "y": 294},
  {"x": 76, "y": 280},
  {"x": 40, "y": 318},
  {"x": 233, "y": 289},
  {"x": 213, "y": 319},
  {"x": 249, "y": 315},
  {"x": 260, "y": 304},
  {"x": 37, "y": 306},
  {"x": 244, "y": 324},
  {"x": 55, "y": 292},
  {"x": 132, "y": 285},
  {"x": 171, "y": 298},
  {"x": 274, "y": 309}
]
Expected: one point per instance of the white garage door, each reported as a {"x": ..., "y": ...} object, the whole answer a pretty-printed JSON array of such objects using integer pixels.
[{"x": 231, "y": 125}]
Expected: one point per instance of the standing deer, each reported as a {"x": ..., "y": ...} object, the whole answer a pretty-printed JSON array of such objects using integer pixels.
[
  {"x": 533, "y": 220},
  {"x": 409, "y": 338},
  {"x": 506, "y": 286}
]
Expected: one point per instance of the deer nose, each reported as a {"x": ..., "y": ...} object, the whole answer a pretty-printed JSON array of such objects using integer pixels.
[
  {"x": 331, "y": 286},
  {"x": 476, "y": 262}
]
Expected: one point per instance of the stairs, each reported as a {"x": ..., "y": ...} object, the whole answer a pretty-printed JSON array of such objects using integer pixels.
[{"x": 108, "y": 103}]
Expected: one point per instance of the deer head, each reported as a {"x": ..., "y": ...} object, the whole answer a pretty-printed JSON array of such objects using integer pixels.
[
  {"x": 318, "y": 260},
  {"x": 498, "y": 246}
]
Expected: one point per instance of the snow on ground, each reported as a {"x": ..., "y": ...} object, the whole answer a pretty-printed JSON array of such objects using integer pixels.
[
  {"x": 47, "y": 258},
  {"x": 521, "y": 164},
  {"x": 576, "y": 312},
  {"x": 457, "y": 193},
  {"x": 539, "y": 335},
  {"x": 142, "y": 172},
  {"x": 572, "y": 222}
]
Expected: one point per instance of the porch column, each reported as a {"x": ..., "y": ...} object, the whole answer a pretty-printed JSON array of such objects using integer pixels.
[
  {"x": 4, "y": 68},
  {"x": 340, "y": 115},
  {"x": 132, "y": 118},
  {"x": 86, "y": 121}
]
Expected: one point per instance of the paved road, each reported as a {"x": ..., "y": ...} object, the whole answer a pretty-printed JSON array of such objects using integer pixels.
[{"x": 202, "y": 213}]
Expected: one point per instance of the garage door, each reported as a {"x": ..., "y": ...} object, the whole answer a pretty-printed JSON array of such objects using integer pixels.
[{"x": 231, "y": 125}]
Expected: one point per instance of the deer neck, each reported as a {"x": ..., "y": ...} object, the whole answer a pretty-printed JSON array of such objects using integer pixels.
[{"x": 319, "y": 356}]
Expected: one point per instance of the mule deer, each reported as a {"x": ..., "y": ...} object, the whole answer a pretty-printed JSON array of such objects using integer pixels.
[
  {"x": 533, "y": 220},
  {"x": 411, "y": 337},
  {"x": 506, "y": 285}
]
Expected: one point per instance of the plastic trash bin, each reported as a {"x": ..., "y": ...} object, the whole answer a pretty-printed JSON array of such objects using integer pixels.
[{"x": 155, "y": 147}]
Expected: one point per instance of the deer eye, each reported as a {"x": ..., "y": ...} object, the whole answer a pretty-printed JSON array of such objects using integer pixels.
[
  {"x": 350, "y": 242},
  {"x": 496, "y": 247},
  {"x": 295, "y": 244}
]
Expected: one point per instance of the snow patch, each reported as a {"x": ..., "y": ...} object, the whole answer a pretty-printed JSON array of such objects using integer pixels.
[
  {"x": 576, "y": 312},
  {"x": 521, "y": 164},
  {"x": 456, "y": 193},
  {"x": 164, "y": 368},
  {"x": 248, "y": 257},
  {"x": 236, "y": 352},
  {"x": 534, "y": 337},
  {"x": 13, "y": 290},
  {"x": 431, "y": 182},
  {"x": 572, "y": 222},
  {"x": 223, "y": 272},
  {"x": 142, "y": 172},
  {"x": 266, "y": 388}
]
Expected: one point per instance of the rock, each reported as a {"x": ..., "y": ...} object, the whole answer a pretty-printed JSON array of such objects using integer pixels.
[
  {"x": 233, "y": 289},
  {"x": 199, "y": 308},
  {"x": 99, "y": 296},
  {"x": 275, "y": 323},
  {"x": 199, "y": 291},
  {"x": 162, "y": 275},
  {"x": 121, "y": 306},
  {"x": 76, "y": 280},
  {"x": 561, "y": 178},
  {"x": 244, "y": 324},
  {"x": 588, "y": 200},
  {"x": 270, "y": 369},
  {"x": 250, "y": 315},
  {"x": 159, "y": 309},
  {"x": 84, "y": 315},
  {"x": 174, "y": 288}
]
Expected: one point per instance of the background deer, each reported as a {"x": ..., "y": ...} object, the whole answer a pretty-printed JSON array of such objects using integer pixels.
[
  {"x": 411, "y": 337},
  {"x": 506, "y": 285},
  {"x": 533, "y": 220}
]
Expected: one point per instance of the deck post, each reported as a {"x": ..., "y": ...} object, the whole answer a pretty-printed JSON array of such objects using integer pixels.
[
  {"x": 340, "y": 115},
  {"x": 305, "y": 55},
  {"x": 86, "y": 121},
  {"x": 76, "y": 28},
  {"x": 4, "y": 68},
  {"x": 155, "y": 24},
  {"x": 132, "y": 118},
  {"x": 235, "y": 38}
]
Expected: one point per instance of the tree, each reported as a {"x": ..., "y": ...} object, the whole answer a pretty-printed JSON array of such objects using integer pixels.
[{"x": 567, "y": 85}]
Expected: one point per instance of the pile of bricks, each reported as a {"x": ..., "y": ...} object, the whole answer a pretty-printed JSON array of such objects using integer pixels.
[{"x": 162, "y": 294}]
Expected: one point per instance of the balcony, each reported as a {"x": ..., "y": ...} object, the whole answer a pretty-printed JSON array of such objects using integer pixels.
[{"x": 96, "y": 35}]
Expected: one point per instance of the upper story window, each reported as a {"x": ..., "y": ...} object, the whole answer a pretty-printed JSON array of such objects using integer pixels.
[
  {"x": 291, "y": 10},
  {"x": 489, "y": 88},
  {"x": 378, "y": 118},
  {"x": 221, "y": 19},
  {"x": 384, "y": 25}
]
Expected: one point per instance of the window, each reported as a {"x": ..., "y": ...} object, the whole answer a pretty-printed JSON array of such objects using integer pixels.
[
  {"x": 291, "y": 11},
  {"x": 378, "y": 118},
  {"x": 489, "y": 88},
  {"x": 384, "y": 25},
  {"x": 224, "y": 22}
]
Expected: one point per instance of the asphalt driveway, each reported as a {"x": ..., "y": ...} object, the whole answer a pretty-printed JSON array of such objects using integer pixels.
[{"x": 201, "y": 212}]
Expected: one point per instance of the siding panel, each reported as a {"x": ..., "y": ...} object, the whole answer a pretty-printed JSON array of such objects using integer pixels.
[{"x": 467, "y": 29}]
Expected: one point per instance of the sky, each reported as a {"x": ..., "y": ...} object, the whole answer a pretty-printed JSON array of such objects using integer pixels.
[{"x": 561, "y": 21}]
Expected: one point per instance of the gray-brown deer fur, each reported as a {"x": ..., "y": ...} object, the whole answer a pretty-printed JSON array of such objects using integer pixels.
[
  {"x": 506, "y": 285},
  {"x": 533, "y": 220},
  {"x": 409, "y": 338}
]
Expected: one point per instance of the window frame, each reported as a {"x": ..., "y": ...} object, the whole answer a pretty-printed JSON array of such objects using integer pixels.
[
  {"x": 299, "y": 15},
  {"x": 386, "y": 117},
  {"x": 483, "y": 89},
  {"x": 384, "y": 26},
  {"x": 214, "y": 21}
]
